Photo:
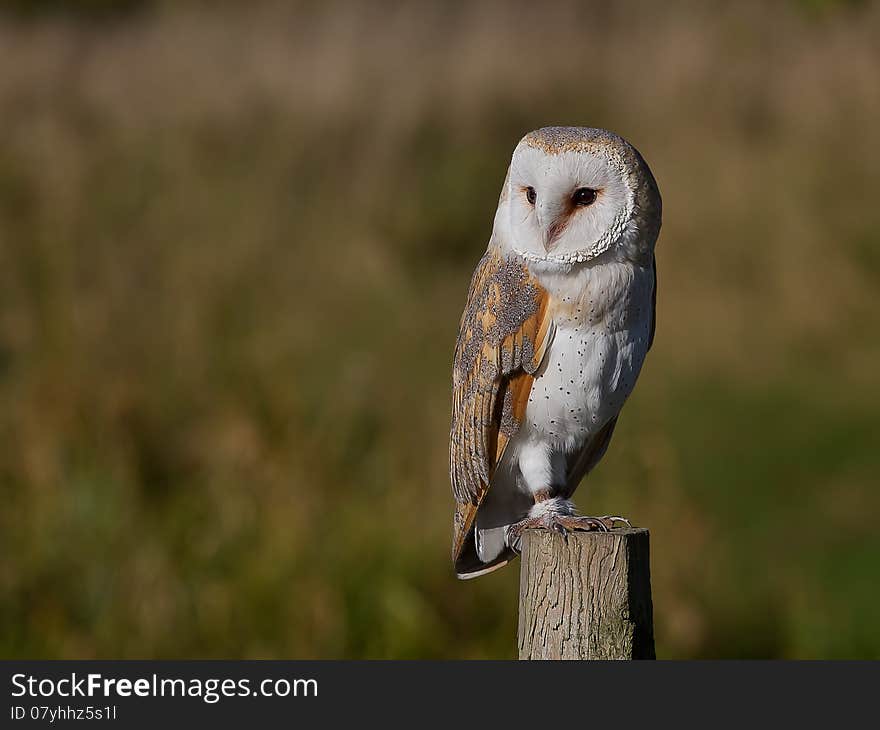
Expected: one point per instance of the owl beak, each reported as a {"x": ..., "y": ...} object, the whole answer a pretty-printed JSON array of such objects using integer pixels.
[
  {"x": 551, "y": 233},
  {"x": 551, "y": 226}
]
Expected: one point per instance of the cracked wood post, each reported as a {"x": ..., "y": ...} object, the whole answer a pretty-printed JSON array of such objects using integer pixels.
[{"x": 587, "y": 596}]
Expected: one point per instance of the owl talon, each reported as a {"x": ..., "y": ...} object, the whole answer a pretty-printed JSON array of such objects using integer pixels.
[{"x": 610, "y": 520}]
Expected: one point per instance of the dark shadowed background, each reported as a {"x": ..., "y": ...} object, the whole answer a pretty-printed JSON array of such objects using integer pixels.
[{"x": 235, "y": 241}]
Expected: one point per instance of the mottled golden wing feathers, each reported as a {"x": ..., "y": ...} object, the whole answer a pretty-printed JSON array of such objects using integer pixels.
[{"x": 503, "y": 335}]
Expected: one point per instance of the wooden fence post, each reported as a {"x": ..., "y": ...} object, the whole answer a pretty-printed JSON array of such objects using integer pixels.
[{"x": 586, "y": 596}]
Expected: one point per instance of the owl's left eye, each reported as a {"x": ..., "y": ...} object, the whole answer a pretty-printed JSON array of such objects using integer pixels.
[
  {"x": 583, "y": 197},
  {"x": 531, "y": 195}
]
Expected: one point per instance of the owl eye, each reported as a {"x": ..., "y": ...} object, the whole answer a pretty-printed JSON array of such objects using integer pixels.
[
  {"x": 531, "y": 195},
  {"x": 583, "y": 197}
]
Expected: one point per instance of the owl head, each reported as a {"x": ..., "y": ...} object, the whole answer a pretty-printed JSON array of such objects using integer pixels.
[{"x": 574, "y": 194}]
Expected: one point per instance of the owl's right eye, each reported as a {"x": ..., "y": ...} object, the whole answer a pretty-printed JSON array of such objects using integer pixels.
[{"x": 531, "y": 195}]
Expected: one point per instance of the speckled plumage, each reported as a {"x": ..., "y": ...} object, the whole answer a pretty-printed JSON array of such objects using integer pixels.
[{"x": 559, "y": 317}]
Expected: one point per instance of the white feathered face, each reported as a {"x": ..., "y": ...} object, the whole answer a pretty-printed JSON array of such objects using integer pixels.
[{"x": 565, "y": 207}]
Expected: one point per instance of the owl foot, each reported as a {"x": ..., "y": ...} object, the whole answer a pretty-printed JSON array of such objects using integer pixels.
[
  {"x": 563, "y": 524},
  {"x": 571, "y": 523}
]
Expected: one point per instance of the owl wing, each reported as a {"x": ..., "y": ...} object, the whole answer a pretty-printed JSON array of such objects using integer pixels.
[
  {"x": 591, "y": 453},
  {"x": 653, "y": 303},
  {"x": 504, "y": 333}
]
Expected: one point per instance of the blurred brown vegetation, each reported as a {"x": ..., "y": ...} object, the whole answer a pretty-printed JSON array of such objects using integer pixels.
[{"x": 235, "y": 241}]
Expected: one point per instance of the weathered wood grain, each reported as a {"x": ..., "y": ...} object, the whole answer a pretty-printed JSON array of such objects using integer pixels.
[{"x": 587, "y": 596}]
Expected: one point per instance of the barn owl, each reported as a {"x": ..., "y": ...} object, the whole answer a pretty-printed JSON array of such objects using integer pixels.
[{"x": 559, "y": 318}]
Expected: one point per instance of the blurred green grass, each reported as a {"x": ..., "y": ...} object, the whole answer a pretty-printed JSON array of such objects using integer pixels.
[{"x": 234, "y": 246}]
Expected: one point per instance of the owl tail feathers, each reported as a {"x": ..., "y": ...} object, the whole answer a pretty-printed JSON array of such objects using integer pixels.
[{"x": 468, "y": 565}]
